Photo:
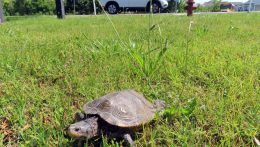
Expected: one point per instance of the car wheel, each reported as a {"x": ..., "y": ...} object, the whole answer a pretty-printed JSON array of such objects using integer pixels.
[
  {"x": 156, "y": 7},
  {"x": 112, "y": 8}
]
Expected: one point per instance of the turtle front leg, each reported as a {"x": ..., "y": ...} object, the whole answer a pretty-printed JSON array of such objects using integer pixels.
[
  {"x": 79, "y": 116},
  {"x": 128, "y": 140}
]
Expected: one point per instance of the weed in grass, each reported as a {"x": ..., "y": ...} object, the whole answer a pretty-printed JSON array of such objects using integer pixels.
[{"x": 147, "y": 62}]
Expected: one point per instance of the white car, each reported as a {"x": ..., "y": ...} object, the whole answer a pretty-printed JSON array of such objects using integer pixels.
[{"x": 114, "y": 6}]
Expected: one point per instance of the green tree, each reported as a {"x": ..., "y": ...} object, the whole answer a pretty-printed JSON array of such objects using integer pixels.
[
  {"x": 8, "y": 7},
  {"x": 181, "y": 6},
  {"x": 171, "y": 7},
  {"x": 43, "y": 6},
  {"x": 19, "y": 6},
  {"x": 81, "y": 6},
  {"x": 28, "y": 7},
  {"x": 216, "y": 6},
  {"x": 1, "y": 12}
]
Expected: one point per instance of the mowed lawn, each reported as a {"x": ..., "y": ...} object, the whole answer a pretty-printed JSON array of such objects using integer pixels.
[{"x": 209, "y": 76}]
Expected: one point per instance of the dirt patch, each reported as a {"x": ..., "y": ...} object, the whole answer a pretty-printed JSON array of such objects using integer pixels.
[
  {"x": 1, "y": 89},
  {"x": 41, "y": 84},
  {"x": 5, "y": 128},
  {"x": 46, "y": 119},
  {"x": 76, "y": 104}
]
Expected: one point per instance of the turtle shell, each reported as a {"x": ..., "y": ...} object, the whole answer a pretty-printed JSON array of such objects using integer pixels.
[{"x": 124, "y": 108}]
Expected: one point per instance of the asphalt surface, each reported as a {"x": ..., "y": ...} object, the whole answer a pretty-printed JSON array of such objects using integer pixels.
[
  {"x": 196, "y": 13},
  {"x": 176, "y": 14}
]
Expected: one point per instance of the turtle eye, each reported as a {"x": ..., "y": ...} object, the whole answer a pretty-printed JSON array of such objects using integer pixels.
[{"x": 77, "y": 129}]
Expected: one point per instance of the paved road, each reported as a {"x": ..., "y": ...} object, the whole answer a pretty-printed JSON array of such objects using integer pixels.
[
  {"x": 197, "y": 13},
  {"x": 177, "y": 14}
]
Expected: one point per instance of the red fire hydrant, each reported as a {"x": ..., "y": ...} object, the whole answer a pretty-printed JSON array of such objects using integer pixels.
[{"x": 190, "y": 7}]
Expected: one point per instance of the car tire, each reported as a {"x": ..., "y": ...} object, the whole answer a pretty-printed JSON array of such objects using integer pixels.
[
  {"x": 155, "y": 6},
  {"x": 112, "y": 8}
]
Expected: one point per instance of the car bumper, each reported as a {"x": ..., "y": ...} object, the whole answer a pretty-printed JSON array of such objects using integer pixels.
[{"x": 164, "y": 4}]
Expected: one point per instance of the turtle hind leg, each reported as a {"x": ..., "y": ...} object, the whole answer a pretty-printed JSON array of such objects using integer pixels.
[{"x": 128, "y": 140}]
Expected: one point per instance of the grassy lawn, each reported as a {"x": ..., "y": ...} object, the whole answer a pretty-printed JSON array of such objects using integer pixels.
[{"x": 209, "y": 75}]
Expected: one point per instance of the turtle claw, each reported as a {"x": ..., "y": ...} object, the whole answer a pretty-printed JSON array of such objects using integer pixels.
[{"x": 129, "y": 141}]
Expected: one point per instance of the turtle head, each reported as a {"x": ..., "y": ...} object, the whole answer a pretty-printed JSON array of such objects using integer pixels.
[
  {"x": 84, "y": 129},
  {"x": 159, "y": 105}
]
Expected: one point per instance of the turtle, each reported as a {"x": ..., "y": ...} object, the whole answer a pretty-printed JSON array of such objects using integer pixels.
[{"x": 116, "y": 115}]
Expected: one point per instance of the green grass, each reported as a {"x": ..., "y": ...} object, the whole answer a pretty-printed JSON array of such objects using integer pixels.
[{"x": 209, "y": 76}]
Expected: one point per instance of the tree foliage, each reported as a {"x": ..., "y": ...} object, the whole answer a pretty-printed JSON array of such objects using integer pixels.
[
  {"x": 1, "y": 12},
  {"x": 181, "y": 6},
  {"x": 81, "y": 6},
  {"x": 28, "y": 7},
  {"x": 172, "y": 6},
  {"x": 214, "y": 7}
]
